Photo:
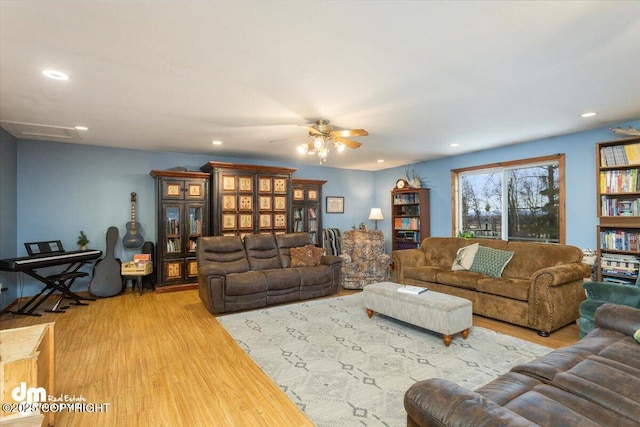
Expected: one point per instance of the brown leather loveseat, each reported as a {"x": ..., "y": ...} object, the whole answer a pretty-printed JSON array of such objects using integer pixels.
[
  {"x": 540, "y": 287},
  {"x": 239, "y": 274},
  {"x": 595, "y": 382}
]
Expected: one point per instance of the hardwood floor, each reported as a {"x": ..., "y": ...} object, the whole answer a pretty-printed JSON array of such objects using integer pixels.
[{"x": 161, "y": 359}]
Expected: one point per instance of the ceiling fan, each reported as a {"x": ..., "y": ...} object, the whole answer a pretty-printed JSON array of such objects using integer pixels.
[{"x": 322, "y": 136}]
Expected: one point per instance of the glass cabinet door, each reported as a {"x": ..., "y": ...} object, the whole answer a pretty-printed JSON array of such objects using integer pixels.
[
  {"x": 173, "y": 236},
  {"x": 194, "y": 224},
  {"x": 298, "y": 219}
]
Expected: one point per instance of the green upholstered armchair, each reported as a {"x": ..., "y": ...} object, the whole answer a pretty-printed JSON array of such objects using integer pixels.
[{"x": 599, "y": 293}]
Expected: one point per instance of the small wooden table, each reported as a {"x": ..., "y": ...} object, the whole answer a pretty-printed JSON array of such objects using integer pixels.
[
  {"x": 27, "y": 355},
  {"x": 435, "y": 311}
]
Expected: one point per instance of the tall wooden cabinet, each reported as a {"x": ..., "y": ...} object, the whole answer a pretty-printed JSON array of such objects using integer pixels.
[
  {"x": 618, "y": 193},
  {"x": 307, "y": 207},
  {"x": 183, "y": 217},
  {"x": 409, "y": 217},
  {"x": 249, "y": 199}
]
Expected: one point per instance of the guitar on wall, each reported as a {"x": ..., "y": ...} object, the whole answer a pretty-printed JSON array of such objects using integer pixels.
[{"x": 133, "y": 238}]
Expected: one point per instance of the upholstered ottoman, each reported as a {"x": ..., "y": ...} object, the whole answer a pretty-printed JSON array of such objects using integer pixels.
[{"x": 442, "y": 313}]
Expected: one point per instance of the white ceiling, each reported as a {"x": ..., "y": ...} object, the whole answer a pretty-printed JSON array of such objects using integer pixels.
[{"x": 174, "y": 75}]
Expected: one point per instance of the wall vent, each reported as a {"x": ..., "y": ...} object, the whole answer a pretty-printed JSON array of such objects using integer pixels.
[{"x": 23, "y": 130}]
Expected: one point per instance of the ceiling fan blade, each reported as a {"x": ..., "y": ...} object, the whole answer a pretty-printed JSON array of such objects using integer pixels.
[
  {"x": 349, "y": 132},
  {"x": 348, "y": 142},
  {"x": 289, "y": 139},
  {"x": 312, "y": 130}
]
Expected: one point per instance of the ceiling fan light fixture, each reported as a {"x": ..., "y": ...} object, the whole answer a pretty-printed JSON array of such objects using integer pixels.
[
  {"x": 318, "y": 142},
  {"x": 339, "y": 146},
  {"x": 303, "y": 148}
]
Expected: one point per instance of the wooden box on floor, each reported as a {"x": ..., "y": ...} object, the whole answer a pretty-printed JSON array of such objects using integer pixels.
[{"x": 27, "y": 355}]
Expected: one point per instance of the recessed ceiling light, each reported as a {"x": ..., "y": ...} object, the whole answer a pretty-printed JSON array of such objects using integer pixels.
[
  {"x": 454, "y": 144},
  {"x": 380, "y": 160},
  {"x": 589, "y": 114},
  {"x": 216, "y": 142},
  {"x": 82, "y": 128},
  {"x": 57, "y": 75}
]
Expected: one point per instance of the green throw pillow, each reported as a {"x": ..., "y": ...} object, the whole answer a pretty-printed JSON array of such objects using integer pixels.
[
  {"x": 490, "y": 261},
  {"x": 636, "y": 335}
]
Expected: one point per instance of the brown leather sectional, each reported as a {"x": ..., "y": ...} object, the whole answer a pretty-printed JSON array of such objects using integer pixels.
[
  {"x": 595, "y": 382},
  {"x": 240, "y": 274},
  {"x": 540, "y": 287}
]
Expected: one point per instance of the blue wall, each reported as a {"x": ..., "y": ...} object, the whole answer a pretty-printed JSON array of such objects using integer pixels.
[
  {"x": 63, "y": 188},
  {"x": 580, "y": 180},
  {"x": 8, "y": 211},
  {"x": 59, "y": 189}
]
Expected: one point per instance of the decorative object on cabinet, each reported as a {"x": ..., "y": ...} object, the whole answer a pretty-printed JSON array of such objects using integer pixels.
[
  {"x": 335, "y": 204},
  {"x": 631, "y": 131},
  {"x": 375, "y": 215},
  {"x": 307, "y": 207},
  {"x": 409, "y": 217},
  {"x": 248, "y": 199},
  {"x": 182, "y": 218},
  {"x": 410, "y": 178},
  {"x": 363, "y": 258},
  {"x": 618, "y": 195}
]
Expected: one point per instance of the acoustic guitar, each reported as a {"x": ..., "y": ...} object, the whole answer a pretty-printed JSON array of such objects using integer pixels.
[
  {"x": 106, "y": 280},
  {"x": 133, "y": 238}
]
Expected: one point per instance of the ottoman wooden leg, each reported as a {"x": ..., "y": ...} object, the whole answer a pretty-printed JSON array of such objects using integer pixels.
[
  {"x": 369, "y": 313},
  {"x": 447, "y": 339},
  {"x": 465, "y": 333}
]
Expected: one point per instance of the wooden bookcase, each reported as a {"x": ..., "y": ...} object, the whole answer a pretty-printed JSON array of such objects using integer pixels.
[
  {"x": 618, "y": 195},
  {"x": 409, "y": 217},
  {"x": 182, "y": 218},
  {"x": 307, "y": 207},
  {"x": 249, "y": 199}
]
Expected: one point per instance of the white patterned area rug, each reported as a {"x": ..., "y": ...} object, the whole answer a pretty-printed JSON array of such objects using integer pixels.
[{"x": 344, "y": 369}]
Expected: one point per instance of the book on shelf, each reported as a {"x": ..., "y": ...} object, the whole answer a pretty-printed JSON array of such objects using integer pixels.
[
  {"x": 619, "y": 240},
  {"x": 407, "y": 223},
  {"x": 619, "y": 181},
  {"x": 620, "y": 155},
  {"x": 413, "y": 290}
]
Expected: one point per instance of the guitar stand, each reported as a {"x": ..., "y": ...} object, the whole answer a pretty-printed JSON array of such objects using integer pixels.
[{"x": 56, "y": 282}]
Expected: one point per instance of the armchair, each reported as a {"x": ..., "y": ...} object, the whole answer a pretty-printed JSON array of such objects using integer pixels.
[
  {"x": 599, "y": 293},
  {"x": 363, "y": 258}
]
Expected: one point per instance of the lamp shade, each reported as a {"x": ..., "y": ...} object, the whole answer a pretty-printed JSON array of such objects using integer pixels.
[{"x": 375, "y": 214}]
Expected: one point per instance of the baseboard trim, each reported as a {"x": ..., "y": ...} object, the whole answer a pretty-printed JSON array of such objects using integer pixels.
[{"x": 176, "y": 288}]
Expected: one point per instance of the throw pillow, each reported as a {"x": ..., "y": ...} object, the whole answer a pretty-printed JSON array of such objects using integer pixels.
[
  {"x": 317, "y": 255},
  {"x": 490, "y": 261},
  {"x": 636, "y": 335},
  {"x": 464, "y": 257},
  {"x": 305, "y": 256}
]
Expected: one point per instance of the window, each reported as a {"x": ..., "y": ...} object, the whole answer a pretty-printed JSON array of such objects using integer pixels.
[{"x": 521, "y": 200}]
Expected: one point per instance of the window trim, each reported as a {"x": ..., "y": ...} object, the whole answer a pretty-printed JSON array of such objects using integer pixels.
[{"x": 560, "y": 158}]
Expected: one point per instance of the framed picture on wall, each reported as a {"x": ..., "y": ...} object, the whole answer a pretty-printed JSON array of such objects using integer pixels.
[{"x": 335, "y": 204}]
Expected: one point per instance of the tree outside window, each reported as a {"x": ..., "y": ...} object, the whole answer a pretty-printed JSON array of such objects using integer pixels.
[{"x": 520, "y": 201}]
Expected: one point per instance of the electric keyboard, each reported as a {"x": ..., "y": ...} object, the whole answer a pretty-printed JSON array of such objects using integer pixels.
[{"x": 48, "y": 260}]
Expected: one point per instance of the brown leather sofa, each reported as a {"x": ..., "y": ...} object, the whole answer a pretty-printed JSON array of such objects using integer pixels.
[
  {"x": 236, "y": 274},
  {"x": 595, "y": 382},
  {"x": 540, "y": 287}
]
